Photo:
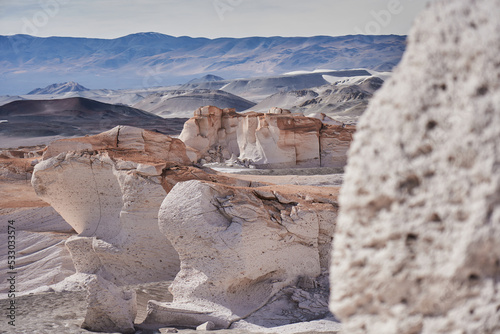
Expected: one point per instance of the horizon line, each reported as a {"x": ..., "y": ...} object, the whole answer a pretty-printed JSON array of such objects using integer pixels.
[{"x": 200, "y": 37}]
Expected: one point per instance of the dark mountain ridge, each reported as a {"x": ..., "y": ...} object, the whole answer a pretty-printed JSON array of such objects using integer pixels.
[{"x": 77, "y": 116}]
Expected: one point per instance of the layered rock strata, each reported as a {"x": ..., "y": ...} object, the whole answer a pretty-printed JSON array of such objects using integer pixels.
[
  {"x": 272, "y": 140},
  {"x": 416, "y": 246}
]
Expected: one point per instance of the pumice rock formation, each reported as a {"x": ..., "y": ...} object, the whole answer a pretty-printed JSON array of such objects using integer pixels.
[
  {"x": 416, "y": 248},
  {"x": 103, "y": 186},
  {"x": 206, "y": 130},
  {"x": 109, "y": 188},
  {"x": 272, "y": 140},
  {"x": 239, "y": 247}
]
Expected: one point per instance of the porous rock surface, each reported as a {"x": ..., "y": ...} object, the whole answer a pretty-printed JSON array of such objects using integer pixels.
[
  {"x": 242, "y": 250},
  {"x": 417, "y": 242},
  {"x": 276, "y": 139}
]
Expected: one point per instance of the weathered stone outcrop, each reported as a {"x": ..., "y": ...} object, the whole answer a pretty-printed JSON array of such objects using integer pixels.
[
  {"x": 334, "y": 143},
  {"x": 239, "y": 247},
  {"x": 126, "y": 143},
  {"x": 417, "y": 242},
  {"x": 275, "y": 139},
  {"x": 109, "y": 188},
  {"x": 210, "y": 128}
]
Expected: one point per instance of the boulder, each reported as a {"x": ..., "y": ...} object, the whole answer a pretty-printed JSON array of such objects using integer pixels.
[
  {"x": 235, "y": 245},
  {"x": 110, "y": 308},
  {"x": 416, "y": 246}
]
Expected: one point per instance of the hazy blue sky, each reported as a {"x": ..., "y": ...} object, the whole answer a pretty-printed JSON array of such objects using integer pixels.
[{"x": 207, "y": 18}]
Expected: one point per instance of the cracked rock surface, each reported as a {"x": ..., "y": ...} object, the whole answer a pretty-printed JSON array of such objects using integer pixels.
[{"x": 239, "y": 247}]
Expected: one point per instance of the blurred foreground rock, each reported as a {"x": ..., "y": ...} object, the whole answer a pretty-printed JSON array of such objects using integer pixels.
[{"x": 417, "y": 244}]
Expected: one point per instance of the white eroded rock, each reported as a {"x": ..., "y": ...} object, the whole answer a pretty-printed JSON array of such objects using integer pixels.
[
  {"x": 416, "y": 246},
  {"x": 274, "y": 140},
  {"x": 110, "y": 193},
  {"x": 114, "y": 213},
  {"x": 209, "y": 128},
  {"x": 280, "y": 140},
  {"x": 109, "y": 188},
  {"x": 110, "y": 308},
  {"x": 238, "y": 248}
]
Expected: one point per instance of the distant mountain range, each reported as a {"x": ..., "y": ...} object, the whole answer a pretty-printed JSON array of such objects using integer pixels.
[
  {"x": 59, "y": 88},
  {"x": 349, "y": 98},
  {"x": 152, "y": 59},
  {"x": 68, "y": 109},
  {"x": 206, "y": 78}
]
